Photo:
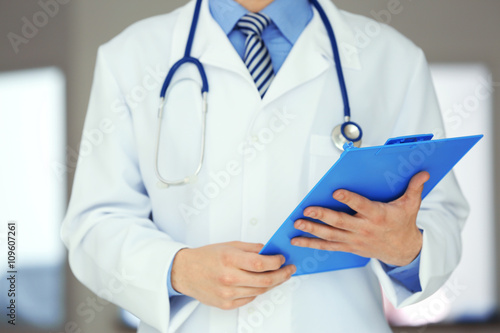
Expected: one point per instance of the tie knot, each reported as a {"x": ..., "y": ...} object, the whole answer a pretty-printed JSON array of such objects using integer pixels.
[{"x": 253, "y": 23}]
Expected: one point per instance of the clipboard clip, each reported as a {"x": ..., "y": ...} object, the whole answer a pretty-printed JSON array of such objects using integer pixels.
[
  {"x": 395, "y": 141},
  {"x": 348, "y": 146},
  {"x": 409, "y": 139}
]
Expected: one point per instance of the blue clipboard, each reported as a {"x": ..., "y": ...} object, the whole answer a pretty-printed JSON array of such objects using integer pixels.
[{"x": 380, "y": 173}]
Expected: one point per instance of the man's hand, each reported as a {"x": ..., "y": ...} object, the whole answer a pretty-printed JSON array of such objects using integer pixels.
[
  {"x": 385, "y": 231},
  {"x": 227, "y": 275}
]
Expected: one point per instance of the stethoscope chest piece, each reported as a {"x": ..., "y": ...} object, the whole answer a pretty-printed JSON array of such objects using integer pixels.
[{"x": 347, "y": 132}]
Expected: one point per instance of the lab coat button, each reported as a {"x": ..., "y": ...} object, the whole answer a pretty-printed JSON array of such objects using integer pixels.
[{"x": 254, "y": 221}]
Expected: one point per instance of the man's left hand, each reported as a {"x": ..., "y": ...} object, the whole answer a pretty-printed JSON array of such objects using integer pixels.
[{"x": 385, "y": 231}]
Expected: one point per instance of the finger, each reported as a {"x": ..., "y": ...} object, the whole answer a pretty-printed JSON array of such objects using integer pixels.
[
  {"x": 323, "y": 231},
  {"x": 321, "y": 244},
  {"x": 248, "y": 247},
  {"x": 416, "y": 186},
  {"x": 243, "y": 301},
  {"x": 244, "y": 292},
  {"x": 234, "y": 304},
  {"x": 253, "y": 262},
  {"x": 251, "y": 292},
  {"x": 356, "y": 202},
  {"x": 232, "y": 293},
  {"x": 335, "y": 219},
  {"x": 268, "y": 279}
]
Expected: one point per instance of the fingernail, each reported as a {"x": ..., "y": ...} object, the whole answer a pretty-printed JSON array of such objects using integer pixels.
[
  {"x": 339, "y": 196},
  {"x": 299, "y": 225},
  {"x": 310, "y": 213},
  {"x": 294, "y": 242},
  {"x": 283, "y": 260}
]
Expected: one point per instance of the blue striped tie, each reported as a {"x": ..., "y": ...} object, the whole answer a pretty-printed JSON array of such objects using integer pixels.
[{"x": 257, "y": 57}]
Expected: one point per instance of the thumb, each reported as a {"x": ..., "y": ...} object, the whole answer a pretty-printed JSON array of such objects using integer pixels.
[
  {"x": 416, "y": 186},
  {"x": 248, "y": 247}
]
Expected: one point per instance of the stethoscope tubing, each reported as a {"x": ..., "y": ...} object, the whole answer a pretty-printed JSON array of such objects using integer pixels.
[
  {"x": 205, "y": 89},
  {"x": 336, "y": 55}
]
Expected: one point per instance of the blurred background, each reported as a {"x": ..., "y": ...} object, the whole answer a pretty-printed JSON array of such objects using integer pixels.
[{"x": 47, "y": 58}]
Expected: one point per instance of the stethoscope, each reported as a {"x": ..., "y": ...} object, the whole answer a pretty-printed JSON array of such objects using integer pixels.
[{"x": 346, "y": 132}]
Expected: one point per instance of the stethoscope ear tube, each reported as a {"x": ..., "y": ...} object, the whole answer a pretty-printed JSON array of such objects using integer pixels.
[
  {"x": 204, "y": 93},
  {"x": 165, "y": 183}
]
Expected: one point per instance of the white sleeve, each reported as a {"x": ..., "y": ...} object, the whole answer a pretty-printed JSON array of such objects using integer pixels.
[
  {"x": 443, "y": 212},
  {"x": 115, "y": 249}
]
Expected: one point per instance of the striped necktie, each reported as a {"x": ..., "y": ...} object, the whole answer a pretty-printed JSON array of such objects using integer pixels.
[{"x": 257, "y": 58}]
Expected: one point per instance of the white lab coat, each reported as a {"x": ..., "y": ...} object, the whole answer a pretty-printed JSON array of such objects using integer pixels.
[{"x": 262, "y": 157}]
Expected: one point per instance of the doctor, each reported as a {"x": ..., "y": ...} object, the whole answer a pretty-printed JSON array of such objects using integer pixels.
[{"x": 186, "y": 257}]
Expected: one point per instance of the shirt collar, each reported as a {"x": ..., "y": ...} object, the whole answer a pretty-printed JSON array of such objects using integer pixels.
[
  {"x": 290, "y": 16},
  {"x": 226, "y": 13}
]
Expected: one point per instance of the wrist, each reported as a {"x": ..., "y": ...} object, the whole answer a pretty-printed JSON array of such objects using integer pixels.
[
  {"x": 177, "y": 274},
  {"x": 406, "y": 250},
  {"x": 414, "y": 248}
]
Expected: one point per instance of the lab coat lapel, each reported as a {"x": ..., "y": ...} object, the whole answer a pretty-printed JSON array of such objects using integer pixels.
[
  {"x": 310, "y": 56},
  {"x": 312, "y": 53},
  {"x": 211, "y": 45}
]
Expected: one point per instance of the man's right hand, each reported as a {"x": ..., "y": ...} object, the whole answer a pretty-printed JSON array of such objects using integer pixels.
[{"x": 227, "y": 275}]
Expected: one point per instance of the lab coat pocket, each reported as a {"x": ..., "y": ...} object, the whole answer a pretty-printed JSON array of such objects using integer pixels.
[{"x": 322, "y": 155}]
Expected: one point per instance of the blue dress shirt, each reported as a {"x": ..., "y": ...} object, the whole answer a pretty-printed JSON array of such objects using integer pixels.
[{"x": 289, "y": 19}]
